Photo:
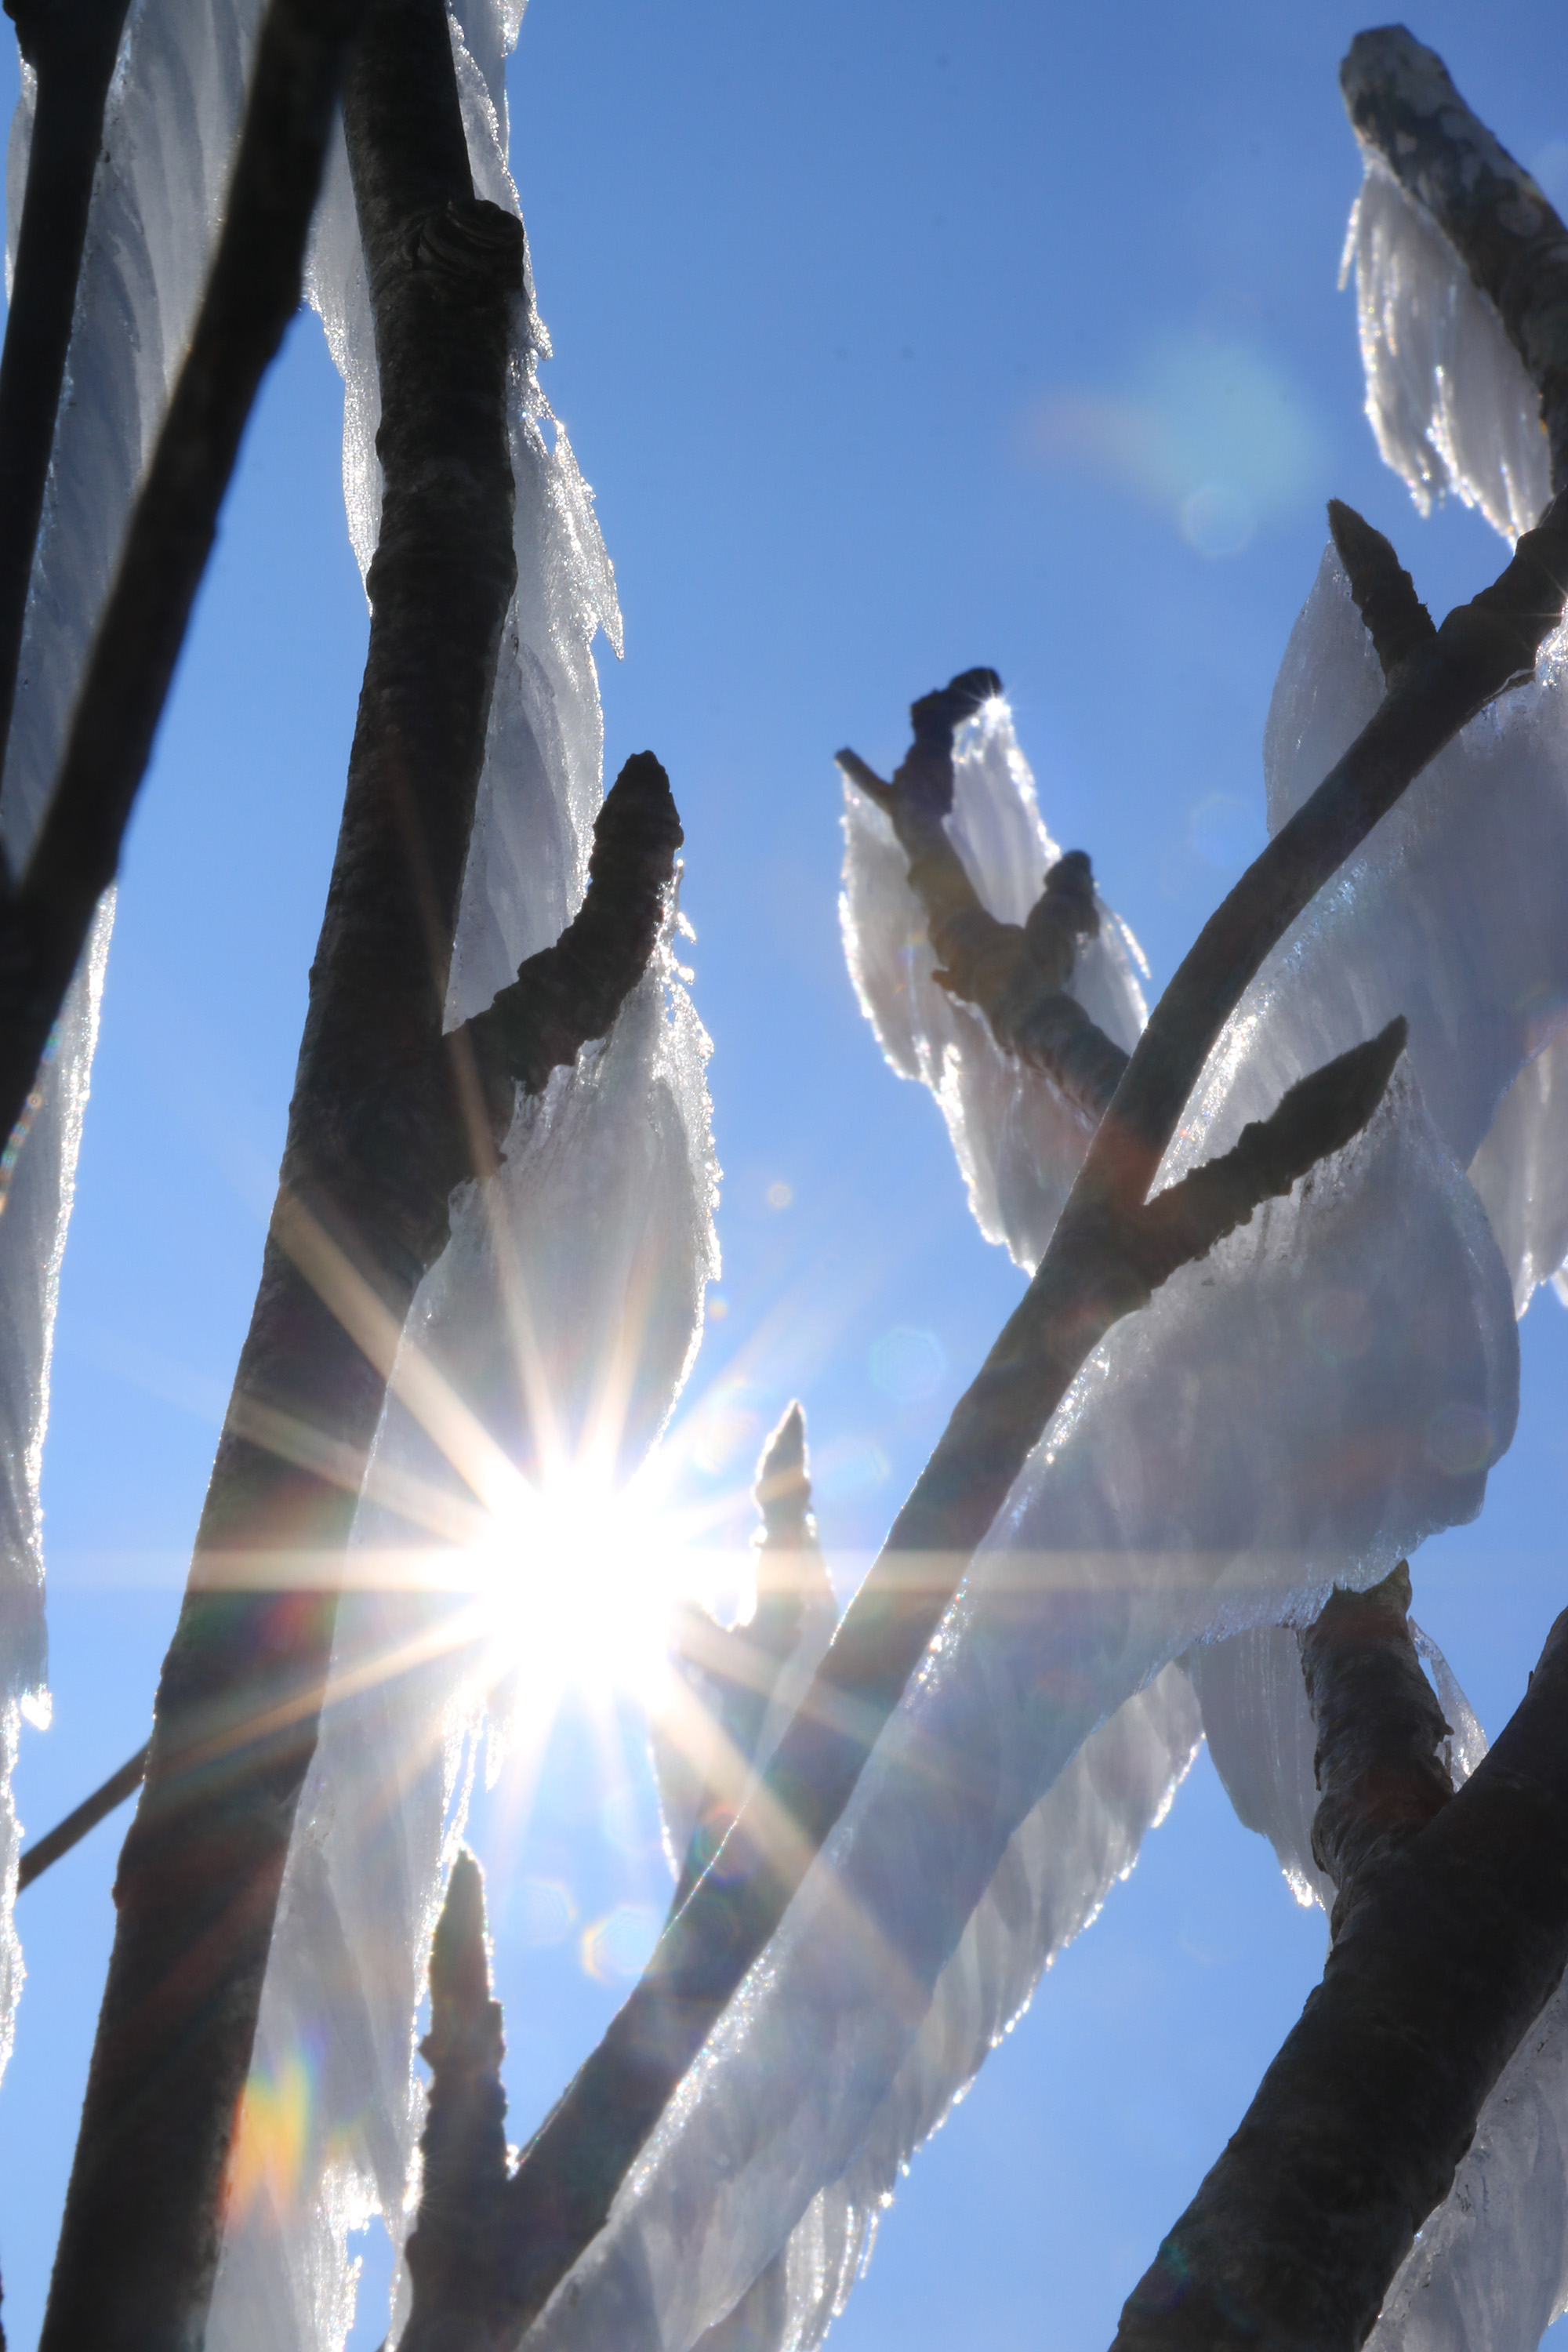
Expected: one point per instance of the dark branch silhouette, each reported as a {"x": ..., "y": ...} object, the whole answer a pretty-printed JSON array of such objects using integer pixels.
[
  {"x": 1405, "y": 110},
  {"x": 251, "y": 294},
  {"x": 71, "y": 44},
  {"x": 1451, "y": 1935},
  {"x": 36, "y": 1858}
]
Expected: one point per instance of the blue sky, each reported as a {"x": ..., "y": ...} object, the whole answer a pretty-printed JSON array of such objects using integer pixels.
[{"x": 892, "y": 341}]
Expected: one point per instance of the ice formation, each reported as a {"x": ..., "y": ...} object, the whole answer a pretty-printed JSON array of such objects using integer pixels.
[
  {"x": 558, "y": 1325},
  {"x": 1018, "y": 1141},
  {"x": 1448, "y": 399},
  {"x": 169, "y": 130}
]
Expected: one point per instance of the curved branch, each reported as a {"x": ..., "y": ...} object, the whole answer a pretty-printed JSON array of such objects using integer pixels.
[
  {"x": 1454, "y": 1939},
  {"x": 1404, "y": 108}
]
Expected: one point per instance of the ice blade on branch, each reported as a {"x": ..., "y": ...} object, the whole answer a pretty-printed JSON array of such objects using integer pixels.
[
  {"x": 948, "y": 866},
  {"x": 552, "y": 1335},
  {"x": 1462, "y": 266}
]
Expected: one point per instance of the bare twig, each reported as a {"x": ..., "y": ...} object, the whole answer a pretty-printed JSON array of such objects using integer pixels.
[
  {"x": 562, "y": 2191},
  {"x": 72, "y": 46},
  {"x": 1404, "y": 107},
  {"x": 1455, "y": 1937},
  {"x": 1015, "y": 973},
  {"x": 1380, "y": 1777},
  {"x": 36, "y": 1858},
  {"x": 1396, "y": 620}
]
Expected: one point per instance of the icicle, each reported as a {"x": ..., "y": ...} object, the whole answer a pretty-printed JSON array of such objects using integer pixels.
[
  {"x": 169, "y": 132},
  {"x": 1445, "y": 391},
  {"x": 1018, "y": 1143},
  {"x": 557, "y": 1327}
]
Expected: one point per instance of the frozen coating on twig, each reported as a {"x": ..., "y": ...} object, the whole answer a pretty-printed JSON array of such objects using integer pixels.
[
  {"x": 452, "y": 2252},
  {"x": 1406, "y": 108},
  {"x": 1016, "y": 974},
  {"x": 1453, "y": 1944},
  {"x": 1379, "y": 1773}
]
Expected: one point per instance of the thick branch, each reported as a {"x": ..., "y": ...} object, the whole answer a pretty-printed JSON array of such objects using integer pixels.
[
  {"x": 361, "y": 1212},
  {"x": 1405, "y": 110},
  {"x": 1016, "y": 974},
  {"x": 251, "y": 294},
  {"x": 452, "y": 2252},
  {"x": 562, "y": 2191},
  {"x": 72, "y": 45},
  {"x": 1456, "y": 1937},
  {"x": 1380, "y": 1777}
]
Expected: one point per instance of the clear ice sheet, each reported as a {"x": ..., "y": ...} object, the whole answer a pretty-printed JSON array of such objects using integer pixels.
[
  {"x": 1446, "y": 393},
  {"x": 562, "y": 1316},
  {"x": 169, "y": 130},
  {"x": 1018, "y": 1141}
]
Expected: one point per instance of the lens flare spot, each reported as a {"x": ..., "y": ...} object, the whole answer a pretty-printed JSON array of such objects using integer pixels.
[
  {"x": 270, "y": 2136},
  {"x": 547, "y": 1911},
  {"x": 616, "y": 1949}
]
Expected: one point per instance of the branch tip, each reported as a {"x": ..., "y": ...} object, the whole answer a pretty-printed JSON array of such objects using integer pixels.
[{"x": 1396, "y": 620}]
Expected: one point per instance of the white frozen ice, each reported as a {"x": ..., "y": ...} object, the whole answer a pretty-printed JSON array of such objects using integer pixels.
[
  {"x": 558, "y": 1325},
  {"x": 1018, "y": 1140},
  {"x": 1448, "y": 399},
  {"x": 169, "y": 131}
]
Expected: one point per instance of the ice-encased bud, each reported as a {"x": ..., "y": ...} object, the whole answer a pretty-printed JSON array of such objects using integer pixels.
[{"x": 1018, "y": 1141}]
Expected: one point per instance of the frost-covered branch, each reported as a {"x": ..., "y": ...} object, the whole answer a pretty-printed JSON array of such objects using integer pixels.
[
  {"x": 72, "y": 49},
  {"x": 1379, "y": 1773},
  {"x": 452, "y": 2252},
  {"x": 1015, "y": 973},
  {"x": 252, "y": 294},
  {"x": 361, "y": 1212},
  {"x": 1456, "y": 1936},
  {"x": 1406, "y": 110},
  {"x": 1088, "y": 1280}
]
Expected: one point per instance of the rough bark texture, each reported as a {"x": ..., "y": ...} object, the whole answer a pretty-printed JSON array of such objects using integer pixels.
[
  {"x": 361, "y": 1212},
  {"x": 564, "y": 2190},
  {"x": 251, "y": 294},
  {"x": 1379, "y": 1773},
  {"x": 72, "y": 45},
  {"x": 1015, "y": 973},
  {"x": 1405, "y": 110},
  {"x": 1456, "y": 1937},
  {"x": 452, "y": 2252}
]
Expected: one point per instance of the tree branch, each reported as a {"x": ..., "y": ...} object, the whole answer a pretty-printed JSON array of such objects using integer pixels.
[
  {"x": 562, "y": 2194},
  {"x": 1455, "y": 1936},
  {"x": 72, "y": 47},
  {"x": 1405, "y": 109},
  {"x": 1379, "y": 1775},
  {"x": 37, "y": 1857},
  {"x": 452, "y": 2251},
  {"x": 1014, "y": 974}
]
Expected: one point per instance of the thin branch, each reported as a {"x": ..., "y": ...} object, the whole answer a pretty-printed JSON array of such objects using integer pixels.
[
  {"x": 252, "y": 293},
  {"x": 36, "y": 1858},
  {"x": 452, "y": 2251},
  {"x": 1405, "y": 110},
  {"x": 72, "y": 46},
  {"x": 562, "y": 2191},
  {"x": 1456, "y": 1937},
  {"x": 1014, "y": 974},
  {"x": 1383, "y": 594},
  {"x": 1379, "y": 1773}
]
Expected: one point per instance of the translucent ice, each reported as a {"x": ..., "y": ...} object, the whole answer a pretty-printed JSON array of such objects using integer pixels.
[
  {"x": 1445, "y": 391},
  {"x": 169, "y": 131},
  {"x": 1018, "y": 1140},
  {"x": 556, "y": 1331}
]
